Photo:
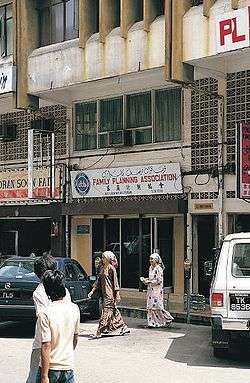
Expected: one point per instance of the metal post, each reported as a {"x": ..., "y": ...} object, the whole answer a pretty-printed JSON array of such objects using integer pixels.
[
  {"x": 140, "y": 252},
  {"x": 156, "y": 250},
  {"x": 220, "y": 172},
  {"x": 188, "y": 301},
  {"x": 52, "y": 166},
  {"x": 30, "y": 162}
]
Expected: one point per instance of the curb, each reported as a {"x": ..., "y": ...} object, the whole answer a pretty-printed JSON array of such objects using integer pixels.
[{"x": 195, "y": 318}]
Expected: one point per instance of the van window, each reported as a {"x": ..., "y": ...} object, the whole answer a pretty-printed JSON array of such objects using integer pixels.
[{"x": 241, "y": 260}]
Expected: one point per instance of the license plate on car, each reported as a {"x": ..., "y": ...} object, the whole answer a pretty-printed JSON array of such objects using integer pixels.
[
  {"x": 9, "y": 294},
  {"x": 240, "y": 302}
]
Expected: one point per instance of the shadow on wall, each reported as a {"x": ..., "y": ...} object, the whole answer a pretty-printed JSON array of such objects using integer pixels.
[{"x": 194, "y": 349}]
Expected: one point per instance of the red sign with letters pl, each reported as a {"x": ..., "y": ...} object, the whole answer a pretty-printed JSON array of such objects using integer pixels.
[
  {"x": 243, "y": 160},
  {"x": 233, "y": 30}
]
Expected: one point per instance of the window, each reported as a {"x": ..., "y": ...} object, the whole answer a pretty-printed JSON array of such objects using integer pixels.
[
  {"x": 241, "y": 260},
  {"x": 6, "y": 30},
  {"x": 111, "y": 119},
  {"x": 167, "y": 115},
  {"x": 134, "y": 119},
  {"x": 139, "y": 117},
  {"x": 86, "y": 126},
  {"x": 70, "y": 272},
  {"x": 80, "y": 273},
  {"x": 59, "y": 20}
]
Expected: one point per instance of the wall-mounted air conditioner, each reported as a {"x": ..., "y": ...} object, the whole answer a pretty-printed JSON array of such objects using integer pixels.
[
  {"x": 120, "y": 138},
  {"x": 7, "y": 132}
]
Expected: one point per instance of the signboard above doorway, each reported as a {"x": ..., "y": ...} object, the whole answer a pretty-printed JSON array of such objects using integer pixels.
[
  {"x": 243, "y": 161},
  {"x": 127, "y": 181}
]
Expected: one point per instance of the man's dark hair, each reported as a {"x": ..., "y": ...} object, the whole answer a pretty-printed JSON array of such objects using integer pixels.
[
  {"x": 42, "y": 264},
  {"x": 53, "y": 282}
]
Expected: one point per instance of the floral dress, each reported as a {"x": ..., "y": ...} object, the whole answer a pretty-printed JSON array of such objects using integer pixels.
[{"x": 157, "y": 315}]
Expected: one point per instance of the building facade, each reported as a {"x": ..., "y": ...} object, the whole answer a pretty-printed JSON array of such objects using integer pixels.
[{"x": 144, "y": 110}]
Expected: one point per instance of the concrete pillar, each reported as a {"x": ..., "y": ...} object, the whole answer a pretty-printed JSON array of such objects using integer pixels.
[
  {"x": 26, "y": 32},
  {"x": 81, "y": 246}
]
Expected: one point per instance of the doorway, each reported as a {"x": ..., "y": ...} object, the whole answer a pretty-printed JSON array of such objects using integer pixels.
[
  {"x": 204, "y": 240},
  {"x": 132, "y": 240}
]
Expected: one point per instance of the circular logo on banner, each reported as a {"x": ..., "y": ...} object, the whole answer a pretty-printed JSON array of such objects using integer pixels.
[{"x": 82, "y": 184}]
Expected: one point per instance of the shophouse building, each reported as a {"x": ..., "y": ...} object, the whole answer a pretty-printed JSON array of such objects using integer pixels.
[
  {"x": 216, "y": 43},
  {"x": 143, "y": 106}
]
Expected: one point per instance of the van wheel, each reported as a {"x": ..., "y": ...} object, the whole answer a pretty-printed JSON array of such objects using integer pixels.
[{"x": 220, "y": 352}]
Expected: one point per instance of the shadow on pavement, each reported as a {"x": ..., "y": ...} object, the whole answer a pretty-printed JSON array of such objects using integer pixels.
[
  {"x": 193, "y": 347},
  {"x": 17, "y": 330}
]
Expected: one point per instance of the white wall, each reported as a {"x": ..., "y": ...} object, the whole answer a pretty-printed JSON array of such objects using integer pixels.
[
  {"x": 199, "y": 39},
  {"x": 64, "y": 64}
]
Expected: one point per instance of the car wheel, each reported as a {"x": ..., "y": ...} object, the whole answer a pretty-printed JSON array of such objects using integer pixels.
[
  {"x": 97, "y": 309},
  {"x": 220, "y": 352}
]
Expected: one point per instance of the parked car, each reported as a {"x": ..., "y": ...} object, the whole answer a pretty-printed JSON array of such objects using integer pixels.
[
  {"x": 230, "y": 294},
  {"x": 18, "y": 281}
]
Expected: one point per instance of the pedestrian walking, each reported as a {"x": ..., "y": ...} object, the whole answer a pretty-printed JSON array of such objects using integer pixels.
[
  {"x": 157, "y": 316},
  {"x": 111, "y": 321},
  {"x": 41, "y": 301},
  {"x": 58, "y": 328}
]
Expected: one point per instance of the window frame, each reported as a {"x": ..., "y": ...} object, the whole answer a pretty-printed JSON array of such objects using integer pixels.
[
  {"x": 124, "y": 120},
  {"x": 49, "y": 5},
  {"x": 5, "y": 52}
]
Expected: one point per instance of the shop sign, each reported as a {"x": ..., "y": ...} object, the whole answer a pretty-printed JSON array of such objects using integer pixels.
[
  {"x": 203, "y": 206},
  {"x": 127, "y": 181},
  {"x": 14, "y": 184},
  {"x": 7, "y": 78},
  {"x": 243, "y": 161},
  {"x": 233, "y": 30},
  {"x": 82, "y": 229}
]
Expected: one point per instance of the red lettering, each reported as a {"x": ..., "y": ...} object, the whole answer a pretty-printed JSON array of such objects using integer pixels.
[
  {"x": 225, "y": 29},
  {"x": 235, "y": 37}
]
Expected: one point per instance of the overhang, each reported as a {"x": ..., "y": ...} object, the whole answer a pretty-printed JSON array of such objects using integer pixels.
[
  {"x": 105, "y": 87},
  {"x": 125, "y": 206}
]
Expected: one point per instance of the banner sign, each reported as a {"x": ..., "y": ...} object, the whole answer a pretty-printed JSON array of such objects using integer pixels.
[
  {"x": 14, "y": 184},
  {"x": 233, "y": 30},
  {"x": 7, "y": 78},
  {"x": 127, "y": 181},
  {"x": 243, "y": 161}
]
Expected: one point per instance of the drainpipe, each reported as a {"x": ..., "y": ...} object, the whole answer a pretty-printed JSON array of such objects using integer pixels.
[{"x": 221, "y": 223}]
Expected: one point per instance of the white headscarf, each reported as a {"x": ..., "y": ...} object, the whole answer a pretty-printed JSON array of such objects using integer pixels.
[
  {"x": 111, "y": 258},
  {"x": 158, "y": 259}
]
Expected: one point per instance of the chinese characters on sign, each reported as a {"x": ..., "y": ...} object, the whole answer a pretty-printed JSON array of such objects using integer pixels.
[
  {"x": 243, "y": 161},
  {"x": 233, "y": 30},
  {"x": 138, "y": 180}
]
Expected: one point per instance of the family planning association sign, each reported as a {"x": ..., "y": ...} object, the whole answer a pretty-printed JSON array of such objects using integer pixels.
[
  {"x": 127, "y": 181},
  {"x": 233, "y": 30}
]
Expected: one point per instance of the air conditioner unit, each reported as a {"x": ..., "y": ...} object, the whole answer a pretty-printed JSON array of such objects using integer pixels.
[
  {"x": 8, "y": 132},
  {"x": 120, "y": 138},
  {"x": 43, "y": 124}
]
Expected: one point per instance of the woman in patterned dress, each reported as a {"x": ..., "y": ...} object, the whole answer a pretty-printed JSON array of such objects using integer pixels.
[
  {"x": 156, "y": 314},
  {"x": 111, "y": 320}
]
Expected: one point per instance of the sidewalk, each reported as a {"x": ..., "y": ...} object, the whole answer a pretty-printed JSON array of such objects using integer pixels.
[{"x": 196, "y": 317}]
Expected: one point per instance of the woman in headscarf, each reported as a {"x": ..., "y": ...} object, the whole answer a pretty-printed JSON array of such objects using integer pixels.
[
  {"x": 107, "y": 282},
  {"x": 156, "y": 314}
]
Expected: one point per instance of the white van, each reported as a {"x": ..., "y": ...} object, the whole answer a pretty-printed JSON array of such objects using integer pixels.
[{"x": 230, "y": 293}]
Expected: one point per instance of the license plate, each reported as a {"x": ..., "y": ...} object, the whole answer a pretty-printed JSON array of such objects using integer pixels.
[
  {"x": 240, "y": 302},
  {"x": 9, "y": 294}
]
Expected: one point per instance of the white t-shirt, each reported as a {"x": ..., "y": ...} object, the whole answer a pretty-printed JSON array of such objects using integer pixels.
[
  {"x": 41, "y": 301},
  {"x": 58, "y": 324}
]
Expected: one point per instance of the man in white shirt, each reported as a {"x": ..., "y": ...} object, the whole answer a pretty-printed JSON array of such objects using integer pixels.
[
  {"x": 41, "y": 301},
  {"x": 58, "y": 329}
]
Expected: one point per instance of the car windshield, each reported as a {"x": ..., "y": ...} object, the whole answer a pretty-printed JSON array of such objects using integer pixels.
[
  {"x": 241, "y": 260},
  {"x": 18, "y": 270}
]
